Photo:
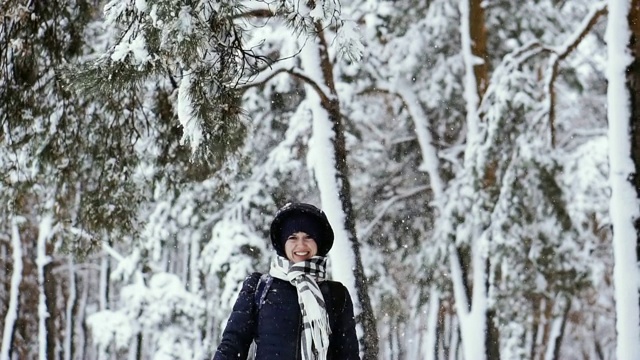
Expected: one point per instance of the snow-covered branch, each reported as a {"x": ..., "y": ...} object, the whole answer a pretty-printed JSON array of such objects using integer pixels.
[
  {"x": 534, "y": 48},
  {"x": 590, "y": 20},
  {"x": 561, "y": 52}
]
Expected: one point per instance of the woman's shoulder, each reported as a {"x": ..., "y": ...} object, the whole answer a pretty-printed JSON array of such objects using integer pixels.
[
  {"x": 336, "y": 290},
  {"x": 335, "y": 285},
  {"x": 252, "y": 280}
]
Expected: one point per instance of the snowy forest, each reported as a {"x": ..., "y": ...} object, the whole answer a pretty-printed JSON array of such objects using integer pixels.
[{"x": 477, "y": 160}]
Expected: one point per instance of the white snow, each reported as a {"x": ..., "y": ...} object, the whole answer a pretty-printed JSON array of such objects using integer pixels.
[
  {"x": 111, "y": 327},
  {"x": 191, "y": 123},
  {"x": 349, "y": 41},
  {"x": 134, "y": 50},
  {"x": 141, "y": 5},
  {"x": 185, "y": 26}
]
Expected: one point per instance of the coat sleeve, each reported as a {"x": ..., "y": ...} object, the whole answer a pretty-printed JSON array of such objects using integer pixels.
[
  {"x": 240, "y": 329},
  {"x": 344, "y": 335}
]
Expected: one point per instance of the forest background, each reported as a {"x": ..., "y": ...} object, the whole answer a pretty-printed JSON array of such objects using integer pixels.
[{"x": 473, "y": 157}]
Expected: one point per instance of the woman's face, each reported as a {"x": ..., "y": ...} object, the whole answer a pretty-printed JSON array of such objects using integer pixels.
[{"x": 300, "y": 247}]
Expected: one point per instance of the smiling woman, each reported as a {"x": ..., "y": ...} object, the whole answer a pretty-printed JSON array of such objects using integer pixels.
[
  {"x": 300, "y": 246},
  {"x": 293, "y": 312}
]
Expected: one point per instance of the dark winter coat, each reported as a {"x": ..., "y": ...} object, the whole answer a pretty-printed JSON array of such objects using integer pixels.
[{"x": 277, "y": 325}]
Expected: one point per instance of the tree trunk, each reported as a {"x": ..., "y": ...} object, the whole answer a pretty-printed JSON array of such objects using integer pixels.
[
  {"x": 105, "y": 275},
  {"x": 624, "y": 203},
  {"x": 432, "y": 329},
  {"x": 71, "y": 309},
  {"x": 83, "y": 346},
  {"x": 50, "y": 292},
  {"x": 492, "y": 338},
  {"x": 633, "y": 85},
  {"x": 139, "y": 339},
  {"x": 46, "y": 307},
  {"x": 332, "y": 106},
  {"x": 368, "y": 318},
  {"x": 27, "y": 341},
  {"x": 478, "y": 33},
  {"x": 563, "y": 325}
]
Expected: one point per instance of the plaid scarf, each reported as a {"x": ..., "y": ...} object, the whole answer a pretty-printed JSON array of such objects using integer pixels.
[{"x": 305, "y": 276}]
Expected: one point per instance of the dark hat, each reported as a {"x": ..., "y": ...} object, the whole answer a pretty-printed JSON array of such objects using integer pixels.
[{"x": 295, "y": 217}]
